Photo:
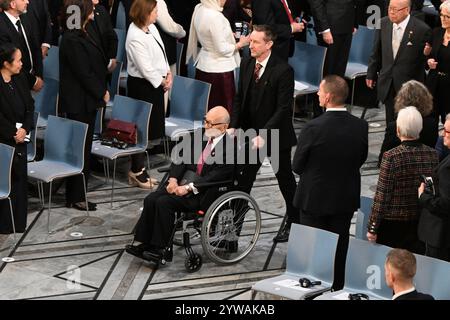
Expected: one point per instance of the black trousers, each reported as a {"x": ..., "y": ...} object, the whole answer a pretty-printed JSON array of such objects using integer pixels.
[
  {"x": 389, "y": 104},
  {"x": 19, "y": 198},
  {"x": 339, "y": 224},
  {"x": 438, "y": 253},
  {"x": 74, "y": 185},
  {"x": 337, "y": 53},
  {"x": 400, "y": 234},
  {"x": 285, "y": 177},
  {"x": 156, "y": 223}
]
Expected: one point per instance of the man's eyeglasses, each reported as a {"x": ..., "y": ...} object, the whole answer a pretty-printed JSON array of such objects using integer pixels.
[
  {"x": 209, "y": 123},
  {"x": 444, "y": 16},
  {"x": 395, "y": 10}
]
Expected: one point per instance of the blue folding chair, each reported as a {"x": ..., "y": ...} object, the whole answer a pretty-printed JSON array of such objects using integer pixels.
[
  {"x": 364, "y": 272},
  {"x": 121, "y": 36},
  {"x": 130, "y": 110},
  {"x": 45, "y": 102},
  {"x": 51, "y": 64},
  {"x": 310, "y": 255},
  {"x": 358, "y": 59},
  {"x": 64, "y": 144},
  {"x": 121, "y": 19},
  {"x": 191, "y": 69},
  {"x": 188, "y": 105},
  {"x": 180, "y": 47},
  {"x": 432, "y": 277},
  {"x": 6, "y": 160},
  {"x": 362, "y": 218},
  {"x": 31, "y": 146}
]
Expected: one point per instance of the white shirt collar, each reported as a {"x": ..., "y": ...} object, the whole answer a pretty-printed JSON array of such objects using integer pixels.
[
  {"x": 337, "y": 109},
  {"x": 216, "y": 140},
  {"x": 403, "y": 292},
  {"x": 12, "y": 19},
  {"x": 264, "y": 62},
  {"x": 403, "y": 24}
]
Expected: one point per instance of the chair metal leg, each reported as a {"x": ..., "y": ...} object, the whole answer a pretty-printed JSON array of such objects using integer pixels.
[
  {"x": 113, "y": 180},
  {"x": 40, "y": 194},
  {"x": 85, "y": 194},
  {"x": 104, "y": 170},
  {"x": 12, "y": 219},
  {"x": 49, "y": 208},
  {"x": 353, "y": 96}
]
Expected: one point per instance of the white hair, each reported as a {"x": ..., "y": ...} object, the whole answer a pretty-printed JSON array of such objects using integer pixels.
[
  {"x": 447, "y": 117},
  {"x": 409, "y": 123},
  {"x": 445, "y": 5}
]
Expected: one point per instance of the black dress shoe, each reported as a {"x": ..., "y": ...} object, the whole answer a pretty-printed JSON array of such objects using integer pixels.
[
  {"x": 82, "y": 206},
  {"x": 283, "y": 235},
  {"x": 136, "y": 251},
  {"x": 157, "y": 255}
]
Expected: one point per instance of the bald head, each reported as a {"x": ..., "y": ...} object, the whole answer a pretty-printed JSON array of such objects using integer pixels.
[
  {"x": 218, "y": 114},
  {"x": 399, "y": 10}
]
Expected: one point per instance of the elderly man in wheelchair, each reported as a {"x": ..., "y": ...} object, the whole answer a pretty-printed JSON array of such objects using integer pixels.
[{"x": 201, "y": 191}]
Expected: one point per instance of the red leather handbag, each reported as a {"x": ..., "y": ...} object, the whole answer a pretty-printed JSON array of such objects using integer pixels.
[{"x": 122, "y": 131}]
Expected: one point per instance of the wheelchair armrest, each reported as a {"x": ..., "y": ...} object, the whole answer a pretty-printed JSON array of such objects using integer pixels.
[
  {"x": 213, "y": 184},
  {"x": 165, "y": 169}
]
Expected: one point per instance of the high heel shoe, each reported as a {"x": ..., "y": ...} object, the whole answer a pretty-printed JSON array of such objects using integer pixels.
[{"x": 141, "y": 180}]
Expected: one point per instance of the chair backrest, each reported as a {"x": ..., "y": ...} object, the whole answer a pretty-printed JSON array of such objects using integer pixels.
[
  {"x": 31, "y": 146},
  {"x": 308, "y": 61},
  {"x": 432, "y": 277},
  {"x": 135, "y": 111},
  {"x": 180, "y": 47},
  {"x": 121, "y": 36},
  {"x": 361, "y": 48},
  {"x": 311, "y": 251},
  {"x": 121, "y": 19},
  {"x": 51, "y": 64},
  {"x": 189, "y": 98},
  {"x": 191, "y": 69},
  {"x": 46, "y": 100},
  {"x": 362, "y": 218},
  {"x": 6, "y": 160},
  {"x": 65, "y": 140},
  {"x": 115, "y": 80},
  {"x": 364, "y": 268}
]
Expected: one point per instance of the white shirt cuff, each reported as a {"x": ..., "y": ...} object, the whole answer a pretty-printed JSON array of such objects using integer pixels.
[
  {"x": 46, "y": 45},
  {"x": 194, "y": 189},
  {"x": 325, "y": 31}
]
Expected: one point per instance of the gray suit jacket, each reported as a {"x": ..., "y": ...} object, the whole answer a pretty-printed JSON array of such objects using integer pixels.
[{"x": 409, "y": 62}]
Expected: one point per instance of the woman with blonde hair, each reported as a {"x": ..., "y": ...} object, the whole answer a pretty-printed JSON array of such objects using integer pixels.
[{"x": 219, "y": 53}]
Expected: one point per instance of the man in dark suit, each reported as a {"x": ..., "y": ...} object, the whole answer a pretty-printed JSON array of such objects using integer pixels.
[
  {"x": 39, "y": 15},
  {"x": 18, "y": 30},
  {"x": 101, "y": 31},
  {"x": 335, "y": 21},
  {"x": 264, "y": 102},
  {"x": 330, "y": 152},
  {"x": 280, "y": 15},
  {"x": 398, "y": 53},
  {"x": 155, "y": 226},
  {"x": 400, "y": 269}
]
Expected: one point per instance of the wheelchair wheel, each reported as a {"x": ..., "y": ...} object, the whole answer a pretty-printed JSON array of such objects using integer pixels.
[
  {"x": 230, "y": 228},
  {"x": 193, "y": 263}
]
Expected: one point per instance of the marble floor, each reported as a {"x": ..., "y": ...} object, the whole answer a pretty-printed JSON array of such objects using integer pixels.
[{"x": 85, "y": 258}]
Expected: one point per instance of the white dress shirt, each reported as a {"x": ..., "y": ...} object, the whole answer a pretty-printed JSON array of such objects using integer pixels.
[
  {"x": 263, "y": 65},
  {"x": 166, "y": 22},
  {"x": 337, "y": 109},
  {"x": 218, "y": 52},
  {"x": 401, "y": 31},
  {"x": 14, "y": 21},
  {"x": 146, "y": 55},
  {"x": 403, "y": 292}
]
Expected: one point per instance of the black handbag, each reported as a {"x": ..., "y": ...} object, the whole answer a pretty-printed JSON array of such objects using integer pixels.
[{"x": 431, "y": 229}]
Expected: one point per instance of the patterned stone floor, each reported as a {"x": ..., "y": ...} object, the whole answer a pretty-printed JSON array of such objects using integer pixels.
[{"x": 91, "y": 250}]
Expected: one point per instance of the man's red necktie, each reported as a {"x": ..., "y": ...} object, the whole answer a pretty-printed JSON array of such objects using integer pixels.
[{"x": 205, "y": 154}]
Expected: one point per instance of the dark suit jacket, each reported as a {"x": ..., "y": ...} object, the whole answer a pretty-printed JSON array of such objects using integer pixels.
[
  {"x": 274, "y": 101},
  {"x": 330, "y": 152},
  {"x": 436, "y": 43},
  {"x": 82, "y": 70},
  {"x": 440, "y": 204},
  {"x": 102, "y": 32},
  {"x": 409, "y": 61},
  {"x": 338, "y": 15},
  {"x": 8, "y": 116},
  {"x": 415, "y": 296},
  {"x": 219, "y": 166},
  {"x": 39, "y": 16},
  {"x": 428, "y": 135},
  {"x": 272, "y": 12},
  {"x": 8, "y": 33}
]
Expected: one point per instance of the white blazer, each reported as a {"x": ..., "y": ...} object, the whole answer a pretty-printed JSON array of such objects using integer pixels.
[
  {"x": 218, "y": 52},
  {"x": 146, "y": 55}
]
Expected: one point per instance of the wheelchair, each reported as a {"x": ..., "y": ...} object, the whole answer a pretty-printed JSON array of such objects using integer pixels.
[{"x": 228, "y": 230}]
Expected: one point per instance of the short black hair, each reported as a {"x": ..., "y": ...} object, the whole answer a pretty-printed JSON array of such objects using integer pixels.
[
  {"x": 269, "y": 33},
  {"x": 7, "y": 50}
]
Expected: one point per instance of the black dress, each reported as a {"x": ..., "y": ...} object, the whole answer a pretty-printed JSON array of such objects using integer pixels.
[
  {"x": 16, "y": 106},
  {"x": 441, "y": 95}
]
